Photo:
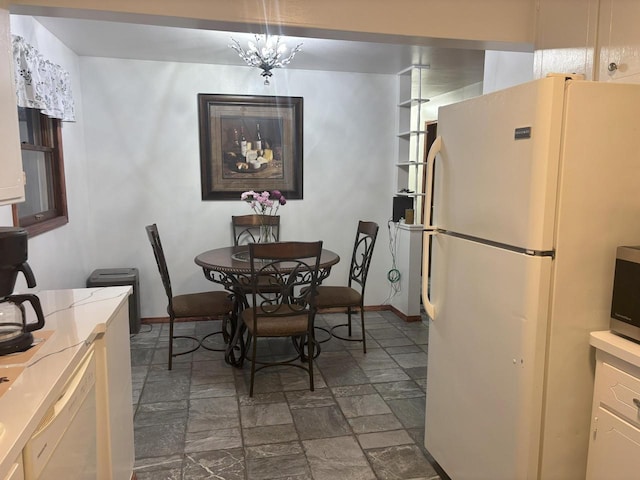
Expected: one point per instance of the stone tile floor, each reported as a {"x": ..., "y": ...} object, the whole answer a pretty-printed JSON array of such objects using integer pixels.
[{"x": 365, "y": 419}]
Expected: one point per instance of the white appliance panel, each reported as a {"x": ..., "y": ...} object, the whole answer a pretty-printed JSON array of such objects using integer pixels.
[
  {"x": 490, "y": 185},
  {"x": 598, "y": 210},
  {"x": 486, "y": 358},
  {"x": 588, "y": 206},
  {"x": 65, "y": 444}
]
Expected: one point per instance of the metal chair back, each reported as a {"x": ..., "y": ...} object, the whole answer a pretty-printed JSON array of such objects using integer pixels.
[
  {"x": 247, "y": 228},
  {"x": 362, "y": 253},
  {"x": 284, "y": 277},
  {"x": 283, "y": 283},
  {"x": 158, "y": 253}
]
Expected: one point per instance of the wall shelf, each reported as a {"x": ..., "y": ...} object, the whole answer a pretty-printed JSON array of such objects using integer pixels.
[
  {"x": 408, "y": 134},
  {"x": 412, "y": 102},
  {"x": 404, "y": 194},
  {"x": 411, "y": 131},
  {"x": 410, "y": 170}
]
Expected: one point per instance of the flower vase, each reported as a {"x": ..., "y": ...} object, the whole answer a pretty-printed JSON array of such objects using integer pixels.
[{"x": 266, "y": 234}]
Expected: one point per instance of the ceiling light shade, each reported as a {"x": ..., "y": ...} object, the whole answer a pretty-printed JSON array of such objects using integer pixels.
[{"x": 267, "y": 53}]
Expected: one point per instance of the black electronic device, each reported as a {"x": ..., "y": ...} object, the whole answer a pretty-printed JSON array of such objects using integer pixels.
[{"x": 400, "y": 204}]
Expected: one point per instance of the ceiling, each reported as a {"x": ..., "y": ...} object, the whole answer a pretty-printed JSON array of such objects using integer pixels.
[{"x": 450, "y": 68}]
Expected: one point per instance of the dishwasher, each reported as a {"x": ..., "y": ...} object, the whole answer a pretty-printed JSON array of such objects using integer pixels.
[{"x": 64, "y": 446}]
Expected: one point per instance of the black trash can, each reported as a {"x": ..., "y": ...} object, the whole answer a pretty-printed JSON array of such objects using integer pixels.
[{"x": 114, "y": 277}]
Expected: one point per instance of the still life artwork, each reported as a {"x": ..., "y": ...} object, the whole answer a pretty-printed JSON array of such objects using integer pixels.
[
  {"x": 250, "y": 142},
  {"x": 261, "y": 154}
]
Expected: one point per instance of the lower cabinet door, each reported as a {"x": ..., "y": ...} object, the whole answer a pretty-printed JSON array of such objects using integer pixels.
[
  {"x": 17, "y": 470},
  {"x": 614, "y": 449}
]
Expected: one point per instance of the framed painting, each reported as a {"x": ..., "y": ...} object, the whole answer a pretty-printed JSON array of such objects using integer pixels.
[{"x": 250, "y": 142}]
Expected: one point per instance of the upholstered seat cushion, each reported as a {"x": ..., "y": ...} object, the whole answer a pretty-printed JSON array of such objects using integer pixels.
[
  {"x": 277, "y": 326},
  {"x": 204, "y": 304},
  {"x": 329, "y": 296}
]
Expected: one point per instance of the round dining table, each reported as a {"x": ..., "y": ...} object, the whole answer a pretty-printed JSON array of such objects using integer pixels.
[{"x": 230, "y": 267}]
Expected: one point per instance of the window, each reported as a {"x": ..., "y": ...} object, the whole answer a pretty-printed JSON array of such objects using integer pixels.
[{"x": 45, "y": 205}]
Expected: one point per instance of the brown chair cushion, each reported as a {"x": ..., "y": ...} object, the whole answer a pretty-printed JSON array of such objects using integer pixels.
[
  {"x": 204, "y": 304},
  {"x": 277, "y": 326},
  {"x": 329, "y": 296}
]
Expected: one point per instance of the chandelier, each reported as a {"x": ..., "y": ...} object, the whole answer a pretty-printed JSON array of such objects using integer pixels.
[{"x": 267, "y": 53}]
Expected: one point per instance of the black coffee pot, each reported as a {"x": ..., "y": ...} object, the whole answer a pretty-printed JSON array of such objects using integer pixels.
[{"x": 15, "y": 336}]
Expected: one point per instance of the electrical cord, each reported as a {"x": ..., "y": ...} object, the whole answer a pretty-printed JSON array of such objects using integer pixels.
[{"x": 393, "y": 275}]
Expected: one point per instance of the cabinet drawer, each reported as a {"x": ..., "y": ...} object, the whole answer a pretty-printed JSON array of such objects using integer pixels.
[
  {"x": 614, "y": 451},
  {"x": 619, "y": 392}
]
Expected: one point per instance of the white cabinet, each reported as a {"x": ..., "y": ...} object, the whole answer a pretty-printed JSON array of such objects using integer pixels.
[
  {"x": 614, "y": 442},
  {"x": 619, "y": 41},
  {"x": 16, "y": 472},
  {"x": 81, "y": 320},
  {"x": 406, "y": 302},
  {"x": 11, "y": 176},
  {"x": 411, "y": 133},
  {"x": 587, "y": 36},
  {"x": 64, "y": 444},
  {"x": 115, "y": 411},
  {"x": 616, "y": 449}
]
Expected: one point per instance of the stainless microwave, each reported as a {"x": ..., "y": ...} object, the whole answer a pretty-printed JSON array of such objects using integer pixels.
[{"x": 625, "y": 302}]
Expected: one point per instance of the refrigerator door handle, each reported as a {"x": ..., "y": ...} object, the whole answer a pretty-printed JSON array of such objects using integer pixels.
[
  {"x": 426, "y": 260},
  {"x": 429, "y": 228},
  {"x": 428, "y": 201}
]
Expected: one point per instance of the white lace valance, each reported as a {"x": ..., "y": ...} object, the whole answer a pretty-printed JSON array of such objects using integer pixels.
[{"x": 40, "y": 83}]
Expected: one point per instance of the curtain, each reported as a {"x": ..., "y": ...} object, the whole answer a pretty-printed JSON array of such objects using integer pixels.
[{"x": 40, "y": 83}]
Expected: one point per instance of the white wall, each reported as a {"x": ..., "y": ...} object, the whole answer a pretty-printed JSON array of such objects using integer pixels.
[
  {"x": 501, "y": 70},
  {"x": 430, "y": 109},
  {"x": 505, "y": 69},
  {"x": 132, "y": 158},
  {"x": 143, "y": 159},
  {"x": 60, "y": 258}
]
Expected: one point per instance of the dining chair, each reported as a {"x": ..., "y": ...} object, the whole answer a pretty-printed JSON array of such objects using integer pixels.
[
  {"x": 216, "y": 304},
  {"x": 351, "y": 296},
  {"x": 246, "y": 228},
  {"x": 284, "y": 304}
]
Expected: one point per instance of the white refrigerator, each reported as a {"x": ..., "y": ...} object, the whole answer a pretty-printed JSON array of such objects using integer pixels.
[{"x": 534, "y": 187}]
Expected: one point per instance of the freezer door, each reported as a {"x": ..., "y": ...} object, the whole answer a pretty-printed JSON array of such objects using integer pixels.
[
  {"x": 496, "y": 174},
  {"x": 486, "y": 359}
]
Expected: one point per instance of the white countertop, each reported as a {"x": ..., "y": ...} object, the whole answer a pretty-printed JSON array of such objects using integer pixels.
[
  {"x": 617, "y": 346},
  {"x": 76, "y": 318}
]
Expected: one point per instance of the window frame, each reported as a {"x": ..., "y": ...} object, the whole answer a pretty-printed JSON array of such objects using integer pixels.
[{"x": 51, "y": 144}]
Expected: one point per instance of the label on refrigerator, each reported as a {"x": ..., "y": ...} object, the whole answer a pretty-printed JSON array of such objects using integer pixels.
[{"x": 522, "y": 132}]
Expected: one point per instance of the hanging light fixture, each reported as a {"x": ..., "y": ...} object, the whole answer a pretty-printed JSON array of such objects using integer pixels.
[{"x": 267, "y": 53}]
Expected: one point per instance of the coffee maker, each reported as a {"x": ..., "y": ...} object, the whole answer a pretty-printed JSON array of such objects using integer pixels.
[{"x": 15, "y": 332}]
